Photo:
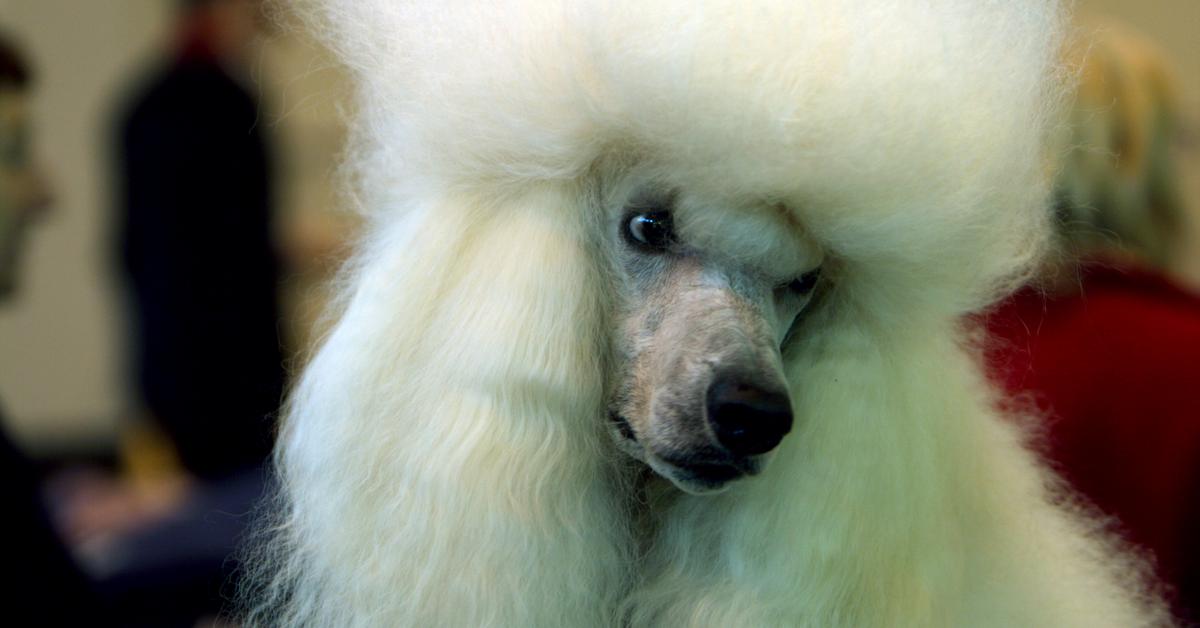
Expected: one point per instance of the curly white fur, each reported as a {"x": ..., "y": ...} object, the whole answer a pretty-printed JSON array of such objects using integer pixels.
[{"x": 444, "y": 461}]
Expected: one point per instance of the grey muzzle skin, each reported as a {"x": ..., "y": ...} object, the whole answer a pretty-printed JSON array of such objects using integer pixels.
[
  {"x": 743, "y": 421},
  {"x": 704, "y": 401}
]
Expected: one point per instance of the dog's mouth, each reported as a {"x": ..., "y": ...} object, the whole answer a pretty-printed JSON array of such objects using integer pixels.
[{"x": 705, "y": 472}]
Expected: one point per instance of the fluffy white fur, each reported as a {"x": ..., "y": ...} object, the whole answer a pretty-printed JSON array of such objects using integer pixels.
[{"x": 444, "y": 459}]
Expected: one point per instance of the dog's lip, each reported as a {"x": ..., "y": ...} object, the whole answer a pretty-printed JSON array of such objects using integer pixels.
[
  {"x": 622, "y": 425},
  {"x": 703, "y": 479},
  {"x": 713, "y": 473},
  {"x": 703, "y": 472},
  {"x": 706, "y": 471},
  {"x": 624, "y": 438},
  {"x": 704, "y": 476},
  {"x": 718, "y": 468}
]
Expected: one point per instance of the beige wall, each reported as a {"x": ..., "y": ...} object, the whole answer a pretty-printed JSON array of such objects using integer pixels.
[
  {"x": 58, "y": 347},
  {"x": 60, "y": 358},
  {"x": 1175, "y": 24}
]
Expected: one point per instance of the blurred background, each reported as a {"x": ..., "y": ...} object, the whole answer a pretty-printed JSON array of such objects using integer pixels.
[
  {"x": 62, "y": 361},
  {"x": 106, "y": 289}
]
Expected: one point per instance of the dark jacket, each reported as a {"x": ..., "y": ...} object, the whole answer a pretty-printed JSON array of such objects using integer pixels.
[
  {"x": 195, "y": 211},
  {"x": 41, "y": 582}
]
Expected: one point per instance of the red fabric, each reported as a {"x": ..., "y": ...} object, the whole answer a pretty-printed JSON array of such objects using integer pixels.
[
  {"x": 1116, "y": 371},
  {"x": 196, "y": 38}
]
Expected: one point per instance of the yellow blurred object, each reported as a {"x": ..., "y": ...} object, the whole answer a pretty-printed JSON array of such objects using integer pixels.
[
  {"x": 1118, "y": 190},
  {"x": 147, "y": 456}
]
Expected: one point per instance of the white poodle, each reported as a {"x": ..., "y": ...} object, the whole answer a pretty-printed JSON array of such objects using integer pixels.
[{"x": 660, "y": 322}]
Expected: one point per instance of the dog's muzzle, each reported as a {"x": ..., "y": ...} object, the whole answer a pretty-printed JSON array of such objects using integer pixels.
[{"x": 744, "y": 422}]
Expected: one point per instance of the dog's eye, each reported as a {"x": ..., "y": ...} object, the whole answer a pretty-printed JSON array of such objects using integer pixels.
[
  {"x": 653, "y": 230},
  {"x": 805, "y": 283}
]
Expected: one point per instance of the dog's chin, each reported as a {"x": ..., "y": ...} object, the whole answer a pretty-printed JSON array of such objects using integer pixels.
[{"x": 699, "y": 478}]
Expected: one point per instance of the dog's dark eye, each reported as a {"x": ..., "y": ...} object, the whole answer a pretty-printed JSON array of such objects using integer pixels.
[
  {"x": 653, "y": 230},
  {"x": 805, "y": 283}
]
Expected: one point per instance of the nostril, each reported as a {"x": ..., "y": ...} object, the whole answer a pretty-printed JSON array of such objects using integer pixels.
[{"x": 748, "y": 420}]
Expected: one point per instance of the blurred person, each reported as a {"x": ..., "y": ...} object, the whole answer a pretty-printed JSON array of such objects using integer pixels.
[
  {"x": 1107, "y": 345},
  {"x": 24, "y": 196},
  {"x": 195, "y": 204},
  {"x": 41, "y": 581},
  {"x": 195, "y": 208}
]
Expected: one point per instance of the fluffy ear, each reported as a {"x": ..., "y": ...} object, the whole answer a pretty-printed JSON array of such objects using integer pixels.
[{"x": 445, "y": 439}]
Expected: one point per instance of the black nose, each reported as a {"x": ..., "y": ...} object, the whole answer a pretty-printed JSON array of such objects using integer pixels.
[{"x": 747, "y": 419}]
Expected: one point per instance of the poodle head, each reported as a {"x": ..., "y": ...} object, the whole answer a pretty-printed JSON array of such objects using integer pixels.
[
  {"x": 704, "y": 311},
  {"x": 698, "y": 192}
]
